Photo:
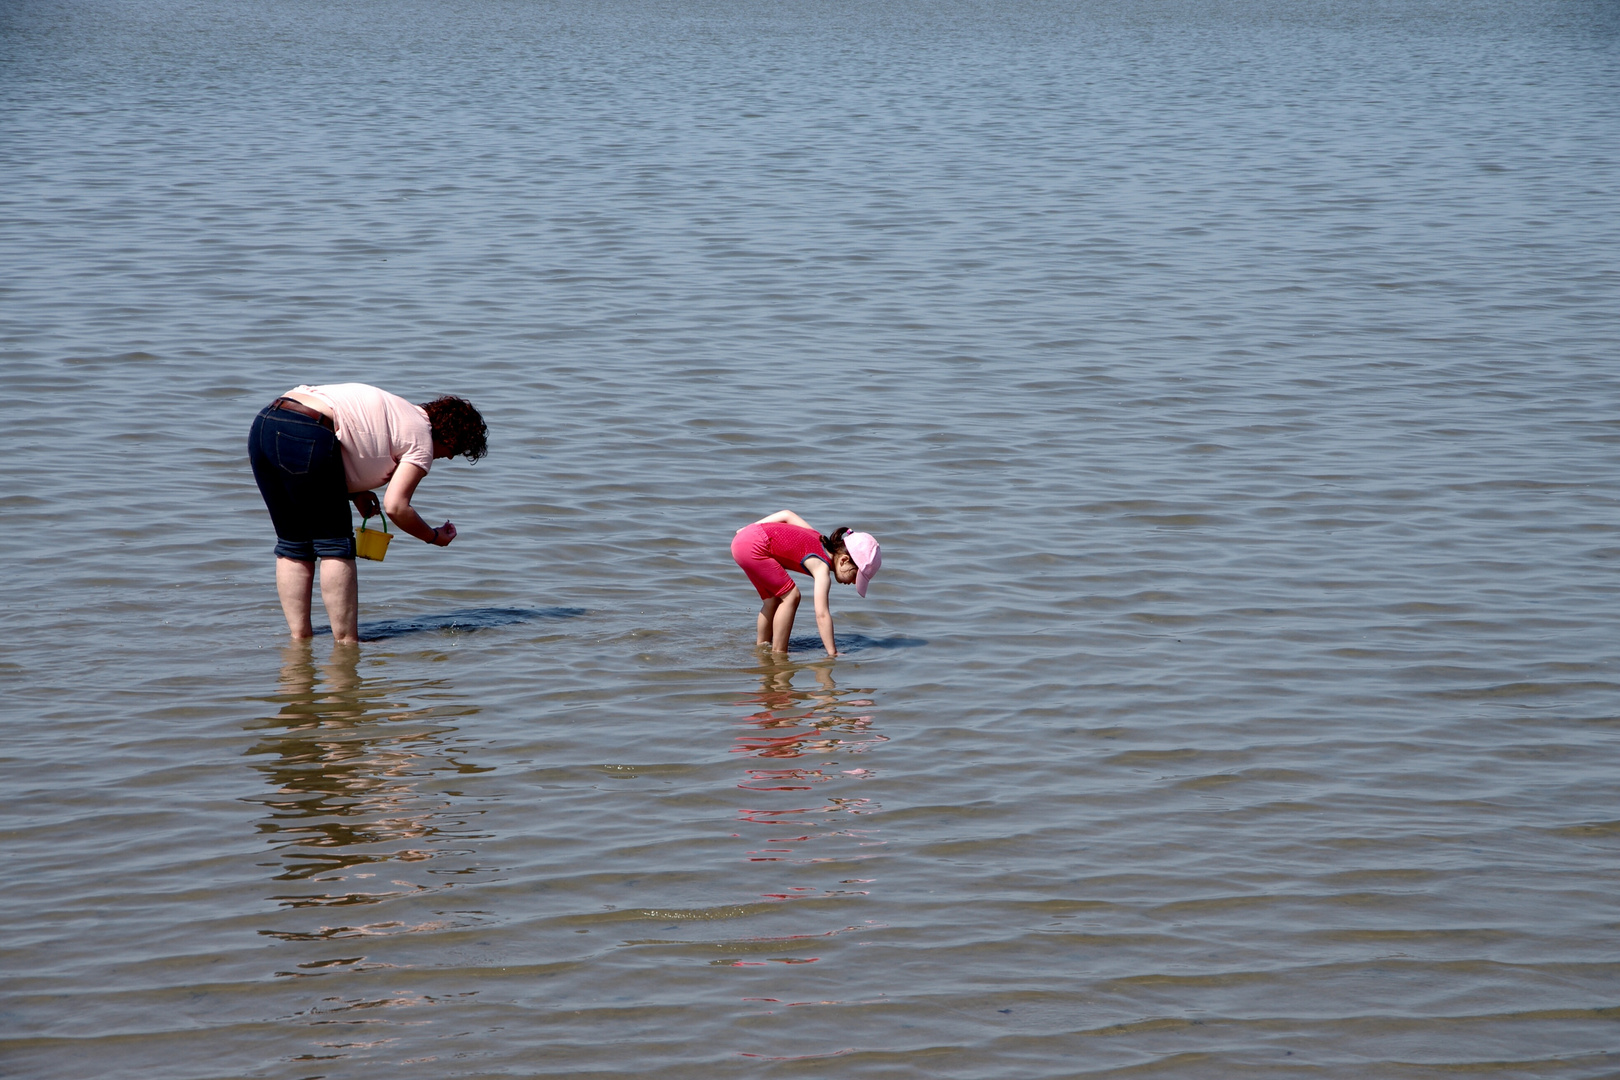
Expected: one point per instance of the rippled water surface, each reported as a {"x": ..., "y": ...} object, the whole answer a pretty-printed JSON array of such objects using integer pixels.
[{"x": 1233, "y": 387}]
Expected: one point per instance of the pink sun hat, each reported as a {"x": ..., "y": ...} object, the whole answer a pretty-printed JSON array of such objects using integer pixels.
[{"x": 863, "y": 548}]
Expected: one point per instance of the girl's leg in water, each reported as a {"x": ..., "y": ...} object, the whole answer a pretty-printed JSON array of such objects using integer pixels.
[
  {"x": 762, "y": 625},
  {"x": 787, "y": 606}
]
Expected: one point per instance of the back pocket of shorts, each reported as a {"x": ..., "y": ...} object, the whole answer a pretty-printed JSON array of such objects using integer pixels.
[{"x": 293, "y": 453}]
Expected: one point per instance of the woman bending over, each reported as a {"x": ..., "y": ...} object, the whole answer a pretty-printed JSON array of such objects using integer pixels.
[{"x": 316, "y": 449}]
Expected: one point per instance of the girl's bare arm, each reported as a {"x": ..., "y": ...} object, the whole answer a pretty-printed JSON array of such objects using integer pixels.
[
  {"x": 784, "y": 515},
  {"x": 824, "y": 620}
]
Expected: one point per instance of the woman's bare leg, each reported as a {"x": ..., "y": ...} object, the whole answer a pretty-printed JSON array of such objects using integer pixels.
[
  {"x": 782, "y": 622},
  {"x": 294, "y": 580},
  {"x": 340, "y": 592}
]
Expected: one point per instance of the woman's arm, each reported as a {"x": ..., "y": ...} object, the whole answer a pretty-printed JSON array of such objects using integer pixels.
[
  {"x": 784, "y": 515},
  {"x": 818, "y": 570},
  {"x": 397, "y": 504}
]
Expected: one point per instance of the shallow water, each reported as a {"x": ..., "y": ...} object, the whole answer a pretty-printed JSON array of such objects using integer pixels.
[{"x": 1233, "y": 389}]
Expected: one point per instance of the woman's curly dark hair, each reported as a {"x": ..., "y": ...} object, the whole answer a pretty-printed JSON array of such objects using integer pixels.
[{"x": 457, "y": 425}]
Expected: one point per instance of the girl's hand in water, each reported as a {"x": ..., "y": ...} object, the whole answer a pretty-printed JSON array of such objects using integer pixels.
[{"x": 443, "y": 535}]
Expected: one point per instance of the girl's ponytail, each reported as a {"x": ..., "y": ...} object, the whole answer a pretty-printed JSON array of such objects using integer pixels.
[{"x": 835, "y": 543}]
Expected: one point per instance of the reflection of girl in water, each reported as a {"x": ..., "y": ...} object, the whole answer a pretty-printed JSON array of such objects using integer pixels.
[{"x": 772, "y": 546}]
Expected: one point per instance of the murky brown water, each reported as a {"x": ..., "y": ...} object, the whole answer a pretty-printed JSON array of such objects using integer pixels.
[{"x": 1233, "y": 388}]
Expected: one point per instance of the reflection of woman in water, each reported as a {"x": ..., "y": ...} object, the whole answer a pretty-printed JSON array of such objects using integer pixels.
[
  {"x": 317, "y": 448},
  {"x": 345, "y": 761},
  {"x": 772, "y": 546}
]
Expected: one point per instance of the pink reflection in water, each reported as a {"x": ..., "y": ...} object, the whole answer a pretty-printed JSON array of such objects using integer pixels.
[{"x": 787, "y": 723}]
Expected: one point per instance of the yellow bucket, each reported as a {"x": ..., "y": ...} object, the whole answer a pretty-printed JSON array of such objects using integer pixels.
[{"x": 371, "y": 544}]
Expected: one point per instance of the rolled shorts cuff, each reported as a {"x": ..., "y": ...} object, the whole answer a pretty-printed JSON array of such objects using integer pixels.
[{"x": 337, "y": 547}]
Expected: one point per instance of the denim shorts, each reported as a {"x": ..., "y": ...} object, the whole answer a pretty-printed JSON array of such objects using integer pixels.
[{"x": 299, "y": 467}]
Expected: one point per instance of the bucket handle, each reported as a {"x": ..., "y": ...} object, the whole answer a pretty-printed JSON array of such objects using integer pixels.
[{"x": 367, "y": 517}]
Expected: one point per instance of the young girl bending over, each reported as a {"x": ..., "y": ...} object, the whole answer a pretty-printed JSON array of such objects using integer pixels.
[{"x": 771, "y": 546}]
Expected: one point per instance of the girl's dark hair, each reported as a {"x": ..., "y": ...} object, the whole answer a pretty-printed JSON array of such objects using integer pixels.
[
  {"x": 457, "y": 425},
  {"x": 835, "y": 543}
]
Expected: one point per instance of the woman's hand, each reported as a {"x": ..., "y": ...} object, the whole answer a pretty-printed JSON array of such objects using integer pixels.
[
  {"x": 366, "y": 502},
  {"x": 397, "y": 503}
]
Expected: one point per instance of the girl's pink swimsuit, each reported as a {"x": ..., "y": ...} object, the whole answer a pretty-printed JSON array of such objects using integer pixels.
[{"x": 767, "y": 552}]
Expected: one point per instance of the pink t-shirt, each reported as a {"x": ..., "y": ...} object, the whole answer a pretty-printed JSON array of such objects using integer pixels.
[{"x": 377, "y": 431}]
